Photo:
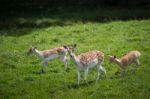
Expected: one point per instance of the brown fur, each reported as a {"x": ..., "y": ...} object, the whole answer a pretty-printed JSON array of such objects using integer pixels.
[
  {"x": 58, "y": 50},
  {"x": 131, "y": 57}
]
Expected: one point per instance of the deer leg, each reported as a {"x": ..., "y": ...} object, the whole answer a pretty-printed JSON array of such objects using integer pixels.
[
  {"x": 86, "y": 74},
  {"x": 66, "y": 61},
  {"x": 44, "y": 65},
  {"x": 98, "y": 73},
  {"x": 78, "y": 78},
  {"x": 123, "y": 72},
  {"x": 66, "y": 65},
  {"x": 137, "y": 64},
  {"x": 104, "y": 70}
]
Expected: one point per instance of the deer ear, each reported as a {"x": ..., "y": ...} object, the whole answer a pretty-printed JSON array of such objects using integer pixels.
[
  {"x": 74, "y": 45},
  {"x": 65, "y": 46},
  {"x": 35, "y": 47},
  {"x": 115, "y": 56}
]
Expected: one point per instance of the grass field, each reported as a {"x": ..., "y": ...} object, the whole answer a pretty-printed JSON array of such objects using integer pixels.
[{"x": 112, "y": 31}]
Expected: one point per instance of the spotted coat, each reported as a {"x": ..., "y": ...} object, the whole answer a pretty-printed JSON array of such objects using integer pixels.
[{"x": 85, "y": 58}]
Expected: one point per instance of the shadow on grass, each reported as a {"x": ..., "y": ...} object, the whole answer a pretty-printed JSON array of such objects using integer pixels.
[
  {"x": 27, "y": 21},
  {"x": 118, "y": 74},
  {"x": 39, "y": 72},
  {"x": 83, "y": 84}
]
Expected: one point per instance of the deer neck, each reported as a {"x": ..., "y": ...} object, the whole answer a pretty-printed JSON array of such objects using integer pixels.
[
  {"x": 118, "y": 61},
  {"x": 76, "y": 59},
  {"x": 37, "y": 53}
]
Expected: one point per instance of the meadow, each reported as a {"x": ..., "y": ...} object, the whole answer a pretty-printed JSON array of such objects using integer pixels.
[{"x": 114, "y": 31}]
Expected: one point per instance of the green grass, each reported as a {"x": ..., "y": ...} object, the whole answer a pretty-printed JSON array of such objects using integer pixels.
[{"x": 19, "y": 73}]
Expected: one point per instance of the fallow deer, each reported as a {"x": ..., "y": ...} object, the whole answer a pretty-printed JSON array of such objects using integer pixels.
[
  {"x": 87, "y": 60},
  {"x": 125, "y": 61},
  {"x": 48, "y": 55}
]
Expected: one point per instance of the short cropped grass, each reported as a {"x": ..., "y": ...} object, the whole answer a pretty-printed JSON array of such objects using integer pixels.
[{"x": 20, "y": 75}]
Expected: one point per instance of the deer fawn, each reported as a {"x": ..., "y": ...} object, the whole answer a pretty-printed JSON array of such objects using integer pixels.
[
  {"x": 48, "y": 55},
  {"x": 131, "y": 57},
  {"x": 87, "y": 60}
]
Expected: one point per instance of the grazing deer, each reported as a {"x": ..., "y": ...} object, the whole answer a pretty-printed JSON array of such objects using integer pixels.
[
  {"x": 131, "y": 57},
  {"x": 87, "y": 60},
  {"x": 48, "y": 55}
]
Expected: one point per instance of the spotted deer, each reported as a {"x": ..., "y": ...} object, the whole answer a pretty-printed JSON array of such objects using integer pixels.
[
  {"x": 87, "y": 60},
  {"x": 126, "y": 60},
  {"x": 48, "y": 55}
]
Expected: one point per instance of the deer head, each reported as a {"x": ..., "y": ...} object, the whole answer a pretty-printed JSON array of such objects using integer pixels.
[{"x": 71, "y": 49}]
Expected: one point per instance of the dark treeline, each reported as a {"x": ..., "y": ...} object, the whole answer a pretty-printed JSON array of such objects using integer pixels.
[
  {"x": 41, "y": 4},
  {"x": 20, "y": 13}
]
